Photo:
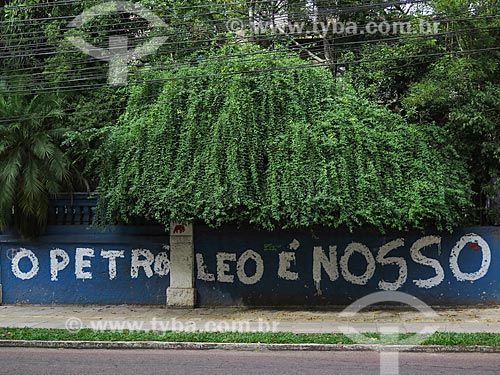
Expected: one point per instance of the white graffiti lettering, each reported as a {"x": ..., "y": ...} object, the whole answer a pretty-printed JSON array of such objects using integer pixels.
[
  {"x": 478, "y": 241},
  {"x": 418, "y": 257},
  {"x": 329, "y": 264},
  {"x": 201, "y": 267},
  {"x": 356, "y": 247},
  {"x": 111, "y": 256},
  {"x": 141, "y": 258},
  {"x": 259, "y": 267},
  {"x": 55, "y": 264},
  {"x": 223, "y": 267},
  {"x": 286, "y": 258},
  {"x": 398, "y": 261},
  {"x": 81, "y": 263},
  {"x": 249, "y": 267},
  {"x": 25, "y": 253},
  {"x": 162, "y": 264}
]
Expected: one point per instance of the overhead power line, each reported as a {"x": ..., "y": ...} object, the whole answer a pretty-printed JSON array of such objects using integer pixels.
[
  {"x": 35, "y": 44},
  {"x": 285, "y": 68}
]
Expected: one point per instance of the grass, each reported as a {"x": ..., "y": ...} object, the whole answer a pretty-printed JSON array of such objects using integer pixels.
[
  {"x": 464, "y": 339},
  {"x": 448, "y": 339},
  {"x": 197, "y": 336}
]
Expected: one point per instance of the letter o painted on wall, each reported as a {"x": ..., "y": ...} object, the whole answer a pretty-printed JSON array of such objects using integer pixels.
[
  {"x": 259, "y": 267},
  {"x": 455, "y": 253},
  {"x": 162, "y": 264},
  {"x": 370, "y": 263},
  {"x": 25, "y": 253}
]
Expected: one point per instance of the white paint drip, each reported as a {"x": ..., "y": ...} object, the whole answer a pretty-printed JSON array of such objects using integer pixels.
[
  {"x": 455, "y": 253},
  {"x": 418, "y": 257},
  {"x": 111, "y": 255},
  {"x": 55, "y": 264},
  {"x": 259, "y": 267},
  {"x": 25, "y": 253},
  {"x": 370, "y": 264},
  {"x": 398, "y": 261},
  {"x": 286, "y": 258},
  {"x": 81, "y": 262}
]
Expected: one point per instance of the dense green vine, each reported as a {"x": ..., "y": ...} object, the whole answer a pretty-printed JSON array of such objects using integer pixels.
[{"x": 275, "y": 149}]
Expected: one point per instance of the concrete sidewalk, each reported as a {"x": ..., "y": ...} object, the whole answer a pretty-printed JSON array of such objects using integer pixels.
[{"x": 248, "y": 319}]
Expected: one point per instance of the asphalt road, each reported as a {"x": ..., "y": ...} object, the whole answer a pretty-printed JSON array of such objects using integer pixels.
[{"x": 20, "y": 361}]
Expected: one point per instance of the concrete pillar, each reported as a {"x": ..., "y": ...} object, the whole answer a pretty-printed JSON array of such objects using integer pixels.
[{"x": 181, "y": 292}]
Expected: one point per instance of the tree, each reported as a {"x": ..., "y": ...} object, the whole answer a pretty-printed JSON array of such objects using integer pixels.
[
  {"x": 459, "y": 92},
  {"x": 432, "y": 80},
  {"x": 259, "y": 140},
  {"x": 448, "y": 78},
  {"x": 32, "y": 164}
]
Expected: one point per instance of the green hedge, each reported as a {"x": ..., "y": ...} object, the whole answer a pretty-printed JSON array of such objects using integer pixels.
[{"x": 274, "y": 147}]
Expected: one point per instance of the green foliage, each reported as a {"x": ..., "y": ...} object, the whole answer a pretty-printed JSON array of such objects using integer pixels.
[
  {"x": 86, "y": 334},
  {"x": 476, "y": 125},
  {"x": 32, "y": 164},
  {"x": 454, "y": 87},
  {"x": 479, "y": 118},
  {"x": 275, "y": 149},
  {"x": 462, "y": 96},
  {"x": 91, "y": 116},
  {"x": 448, "y": 84},
  {"x": 387, "y": 70}
]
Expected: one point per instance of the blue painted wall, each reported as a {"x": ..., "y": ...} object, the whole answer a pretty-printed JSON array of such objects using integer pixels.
[
  {"x": 228, "y": 262},
  {"x": 271, "y": 289},
  {"x": 73, "y": 285}
]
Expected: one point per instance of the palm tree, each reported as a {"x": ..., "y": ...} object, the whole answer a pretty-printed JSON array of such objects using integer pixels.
[{"x": 32, "y": 164}]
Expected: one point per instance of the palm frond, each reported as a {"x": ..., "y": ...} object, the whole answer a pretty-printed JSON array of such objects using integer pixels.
[{"x": 32, "y": 164}]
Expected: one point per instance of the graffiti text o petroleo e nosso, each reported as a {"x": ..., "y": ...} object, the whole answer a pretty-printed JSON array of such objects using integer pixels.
[{"x": 329, "y": 263}]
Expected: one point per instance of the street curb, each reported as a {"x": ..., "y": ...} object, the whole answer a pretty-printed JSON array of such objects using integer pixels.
[{"x": 244, "y": 346}]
